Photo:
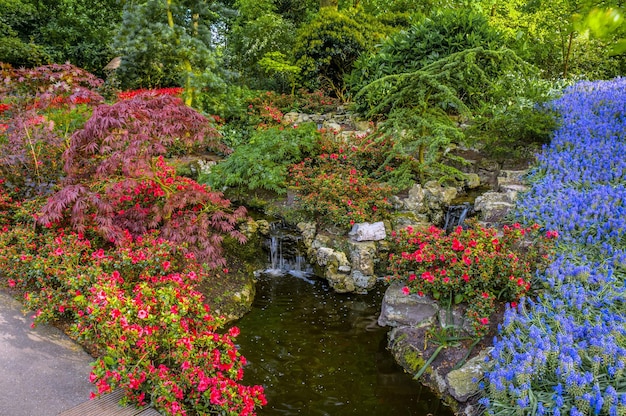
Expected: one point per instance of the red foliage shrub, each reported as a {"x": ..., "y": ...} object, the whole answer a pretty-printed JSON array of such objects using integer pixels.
[{"x": 117, "y": 179}]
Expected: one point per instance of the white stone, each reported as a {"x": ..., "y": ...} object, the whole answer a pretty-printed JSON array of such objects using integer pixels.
[{"x": 368, "y": 232}]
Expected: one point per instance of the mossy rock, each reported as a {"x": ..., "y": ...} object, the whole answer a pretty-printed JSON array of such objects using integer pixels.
[{"x": 230, "y": 292}]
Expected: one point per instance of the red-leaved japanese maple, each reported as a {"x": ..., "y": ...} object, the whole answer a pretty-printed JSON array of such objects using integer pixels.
[{"x": 117, "y": 179}]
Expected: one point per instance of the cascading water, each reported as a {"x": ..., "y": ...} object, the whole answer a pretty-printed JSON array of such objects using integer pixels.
[
  {"x": 456, "y": 215},
  {"x": 285, "y": 255}
]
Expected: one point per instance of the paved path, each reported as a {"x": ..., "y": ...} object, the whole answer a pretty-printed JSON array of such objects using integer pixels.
[{"x": 42, "y": 372}]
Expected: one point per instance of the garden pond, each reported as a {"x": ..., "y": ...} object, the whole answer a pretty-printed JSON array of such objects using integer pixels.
[{"x": 318, "y": 352}]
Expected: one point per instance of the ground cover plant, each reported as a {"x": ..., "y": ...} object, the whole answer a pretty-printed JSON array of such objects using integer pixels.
[{"x": 563, "y": 352}]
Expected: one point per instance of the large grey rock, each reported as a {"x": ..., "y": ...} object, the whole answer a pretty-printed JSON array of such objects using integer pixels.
[
  {"x": 362, "y": 282},
  {"x": 336, "y": 269},
  {"x": 326, "y": 256},
  {"x": 399, "y": 309},
  {"x": 332, "y": 126},
  {"x": 456, "y": 316},
  {"x": 291, "y": 117},
  {"x": 430, "y": 200},
  {"x": 513, "y": 175},
  {"x": 368, "y": 232},
  {"x": 512, "y": 190},
  {"x": 438, "y": 194},
  {"x": 493, "y": 206},
  {"x": 415, "y": 200},
  {"x": 363, "y": 125},
  {"x": 402, "y": 220},
  {"x": 461, "y": 382}
]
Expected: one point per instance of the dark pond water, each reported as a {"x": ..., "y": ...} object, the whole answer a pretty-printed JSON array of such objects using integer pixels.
[{"x": 317, "y": 352}]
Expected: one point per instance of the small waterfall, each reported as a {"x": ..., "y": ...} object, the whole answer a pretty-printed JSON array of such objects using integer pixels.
[
  {"x": 285, "y": 257},
  {"x": 456, "y": 216}
]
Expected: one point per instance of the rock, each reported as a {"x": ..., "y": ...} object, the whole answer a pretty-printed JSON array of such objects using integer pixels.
[
  {"x": 415, "y": 201},
  {"x": 403, "y": 220},
  {"x": 344, "y": 269},
  {"x": 368, "y": 232},
  {"x": 308, "y": 230},
  {"x": 335, "y": 264},
  {"x": 512, "y": 190},
  {"x": 326, "y": 256},
  {"x": 461, "y": 384},
  {"x": 514, "y": 175},
  {"x": 263, "y": 227},
  {"x": 399, "y": 309},
  {"x": 332, "y": 126},
  {"x": 362, "y": 255},
  {"x": 493, "y": 206},
  {"x": 249, "y": 228},
  {"x": 472, "y": 180},
  {"x": 456, "y": 317},
  {"x": 488, "y": 165},
  {"x": 439, "y": 195},
  {"x": 362, "y": 282},
  {"x": 291, "y": 117},
  {"x": 364, "y": 126}
]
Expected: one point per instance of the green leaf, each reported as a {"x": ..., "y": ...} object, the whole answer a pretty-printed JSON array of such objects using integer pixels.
[
  {"x": 109, "y": 361},
  {"x": 458, "y": 298}
]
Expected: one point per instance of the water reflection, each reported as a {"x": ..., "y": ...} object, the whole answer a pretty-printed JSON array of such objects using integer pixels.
[{"x": 321, "y": 353}]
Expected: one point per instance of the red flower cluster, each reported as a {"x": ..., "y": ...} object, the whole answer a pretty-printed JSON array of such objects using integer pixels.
[
  {"x": 477, "y": 266},
  {"x": 138, "y": 303},
  {"x": 126, "y": 95}
]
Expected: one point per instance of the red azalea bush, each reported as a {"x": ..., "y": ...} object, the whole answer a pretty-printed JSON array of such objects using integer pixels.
[
  {"x": 340, "y": 186},
  {"x": 339, "y": 194},
  {"x": 475, "y": 265},
  {"x": 137, "y": 305}
]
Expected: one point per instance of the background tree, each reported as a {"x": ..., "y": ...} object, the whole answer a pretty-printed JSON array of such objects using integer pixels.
[
  {"x": 33, "y": 32},
  {"x": 552, "y": 36},
  {"x": 258, "y": 30},
  {"x": 167, "y": 43},
  {"x": 327, "y": 47}
]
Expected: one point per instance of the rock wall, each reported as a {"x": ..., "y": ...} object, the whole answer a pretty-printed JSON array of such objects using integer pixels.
[{"x": 347, "y": 262}]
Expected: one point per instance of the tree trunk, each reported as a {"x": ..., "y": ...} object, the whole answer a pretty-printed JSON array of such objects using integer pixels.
[
  {"x": 186, "y": 62},
  {"x": 568, "y": 54}
]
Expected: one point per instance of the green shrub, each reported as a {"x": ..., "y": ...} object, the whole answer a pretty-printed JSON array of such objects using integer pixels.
[
  {"x": 327, "y": 47},
  {"x": 425, "y": 109},
  {"x": 431, "y": 39},
  {"x": 263, "y": 162}
]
